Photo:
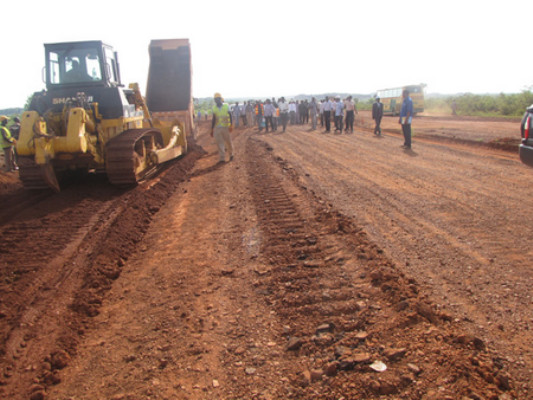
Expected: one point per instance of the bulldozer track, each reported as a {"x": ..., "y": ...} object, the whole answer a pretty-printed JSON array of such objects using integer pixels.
[
  {"x": 303, "y": 256},
  {"x": 31, "y": 174},
  {"x": 122, "y": 160}
]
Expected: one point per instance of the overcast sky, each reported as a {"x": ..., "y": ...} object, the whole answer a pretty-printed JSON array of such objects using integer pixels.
[{"x": 244, "y": 48}]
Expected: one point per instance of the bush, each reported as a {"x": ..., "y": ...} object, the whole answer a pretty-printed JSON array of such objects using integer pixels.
[{"x": 507, "y": 105}]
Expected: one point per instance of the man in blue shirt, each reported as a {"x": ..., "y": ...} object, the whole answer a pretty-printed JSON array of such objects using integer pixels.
[{"x": 406, "y": 116}]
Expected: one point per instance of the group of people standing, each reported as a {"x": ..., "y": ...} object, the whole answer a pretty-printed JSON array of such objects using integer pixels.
[
  {"x": 338, "y": 109},
  {"x": 271, "y": 114}
]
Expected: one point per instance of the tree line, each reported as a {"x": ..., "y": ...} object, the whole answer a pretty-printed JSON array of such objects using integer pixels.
[
  {"x": 468, "y": 104},
  {"x": 485, "y": 105}
]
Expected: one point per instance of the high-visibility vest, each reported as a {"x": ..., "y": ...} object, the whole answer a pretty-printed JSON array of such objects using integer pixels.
[
  {"x": 222, "y": 115},
  {"x": 259, "y": 109},
  {"x": 5, "y": 137}
]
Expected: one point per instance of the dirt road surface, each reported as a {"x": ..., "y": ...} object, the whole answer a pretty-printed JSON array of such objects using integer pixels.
[{"x": 313, "y": 266}]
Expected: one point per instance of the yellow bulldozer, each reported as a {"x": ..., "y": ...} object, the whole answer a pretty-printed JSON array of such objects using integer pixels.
[{"x": 87, "y": 120}]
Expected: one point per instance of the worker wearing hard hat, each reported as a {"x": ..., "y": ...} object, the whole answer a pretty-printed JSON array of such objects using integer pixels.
[
  {"x": 7, "y": 143},
  {"x": 221, "y": 127}
]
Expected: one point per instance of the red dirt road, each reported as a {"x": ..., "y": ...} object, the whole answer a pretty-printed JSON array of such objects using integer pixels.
[{"x": 313, "y": 266}]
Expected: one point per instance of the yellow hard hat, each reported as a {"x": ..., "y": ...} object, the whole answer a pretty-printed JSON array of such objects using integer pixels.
[
  {"x": 3, "y": 118},
  {"x": 217, "y": 95}
]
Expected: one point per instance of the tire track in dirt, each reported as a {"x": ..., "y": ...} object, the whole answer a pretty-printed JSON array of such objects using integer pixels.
[{"x": 347, "y": 306}]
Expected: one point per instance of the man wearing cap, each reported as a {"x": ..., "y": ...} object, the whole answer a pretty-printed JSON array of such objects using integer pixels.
[
  {"x": 7, "y": 142},
  {"x": 377, "y": 114},
  {"x": 221, "y": 127}
]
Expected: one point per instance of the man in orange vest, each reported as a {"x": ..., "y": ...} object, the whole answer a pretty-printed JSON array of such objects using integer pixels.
[{"x": 221, "y": 127}]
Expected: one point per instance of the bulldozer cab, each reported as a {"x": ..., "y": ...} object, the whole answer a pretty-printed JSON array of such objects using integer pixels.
[
  {"x": 78, "y": 73},
  {"x": 90, "y": 63}
]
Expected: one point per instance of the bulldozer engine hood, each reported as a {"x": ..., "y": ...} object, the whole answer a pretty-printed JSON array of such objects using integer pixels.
[{"x": 112, "y": 101}]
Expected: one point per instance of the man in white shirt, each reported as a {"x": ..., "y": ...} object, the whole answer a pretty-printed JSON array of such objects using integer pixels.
[{"x": 292, "y": 112}]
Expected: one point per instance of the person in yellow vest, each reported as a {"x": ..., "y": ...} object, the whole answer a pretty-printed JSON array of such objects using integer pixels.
[
  {"x": 7, "y": 142},
  {"x": 221, "y": 128}
]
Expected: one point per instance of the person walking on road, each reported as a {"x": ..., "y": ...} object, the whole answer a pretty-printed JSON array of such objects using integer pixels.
[
  {"x": 406, "y": 117},
  {"x": 377, "y": 115},
  {"x": 221, "y": 128},
  {"x": 7, "y": 142}
]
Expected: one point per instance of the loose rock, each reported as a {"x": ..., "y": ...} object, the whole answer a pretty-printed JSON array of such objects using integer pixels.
[{"x": 294, "y": 344}]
